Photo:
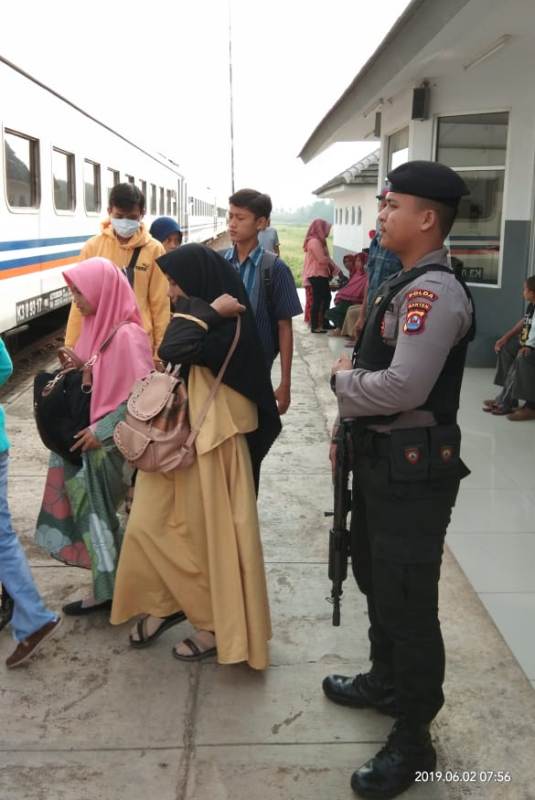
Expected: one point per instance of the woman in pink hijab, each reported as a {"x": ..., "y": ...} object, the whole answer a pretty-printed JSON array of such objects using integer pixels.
[
  {"x": 318, "y": 271},
  {"x": 78, "y": 522}
]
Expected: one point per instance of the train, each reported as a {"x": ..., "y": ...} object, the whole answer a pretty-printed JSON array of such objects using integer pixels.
[{"x": 57, "y": 166}]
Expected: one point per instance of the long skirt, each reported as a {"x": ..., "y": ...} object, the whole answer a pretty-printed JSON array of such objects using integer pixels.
[
  {"x": 193, "y": 544},
  {"x": 79, "y": 522}
]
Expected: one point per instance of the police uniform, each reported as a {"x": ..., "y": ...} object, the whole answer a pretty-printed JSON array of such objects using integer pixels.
[{"x": 403, "y": 397}]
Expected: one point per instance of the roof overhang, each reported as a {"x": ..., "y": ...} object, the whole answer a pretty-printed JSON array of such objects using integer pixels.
[{"x": 412, "y": 33}]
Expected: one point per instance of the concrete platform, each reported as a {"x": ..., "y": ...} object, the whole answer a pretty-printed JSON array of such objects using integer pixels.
[{"x": 90, "y": 719}]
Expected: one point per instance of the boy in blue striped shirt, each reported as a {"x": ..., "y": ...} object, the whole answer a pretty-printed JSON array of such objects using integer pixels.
[{"x": 273, "y": 304}]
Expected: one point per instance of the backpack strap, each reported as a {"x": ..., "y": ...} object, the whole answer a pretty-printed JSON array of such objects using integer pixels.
[
  {"x": 129, "y": 270},
  {"x": 266, "y": 276},
  {"x": 188, "y": 444}
]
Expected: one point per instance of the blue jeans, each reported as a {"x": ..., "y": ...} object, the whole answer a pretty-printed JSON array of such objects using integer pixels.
[{"x": 29, "y": 613}]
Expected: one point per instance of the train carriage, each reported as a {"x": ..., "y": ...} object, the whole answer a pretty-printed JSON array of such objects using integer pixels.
[{"x": 57, "y": 165}]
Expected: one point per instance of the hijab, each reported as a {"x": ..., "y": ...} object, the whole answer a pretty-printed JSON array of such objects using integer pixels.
[
  {"x": 128, "y": 356},
  {"x": 318, "y": 229},
  {"x": 204, "y": 274}
]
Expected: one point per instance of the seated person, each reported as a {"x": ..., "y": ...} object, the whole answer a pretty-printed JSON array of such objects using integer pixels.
[
  {"x": 516, "y": 365},
  {"x": 351, "y": 294}
]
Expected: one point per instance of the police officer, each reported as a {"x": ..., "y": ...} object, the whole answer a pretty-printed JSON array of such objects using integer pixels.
[{"x": 401, "y": 391}]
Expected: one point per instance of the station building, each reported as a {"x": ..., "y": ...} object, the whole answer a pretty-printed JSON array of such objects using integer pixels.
[
  {"x": 354, "y": 192},
  {"x": 452, "y": 82}
]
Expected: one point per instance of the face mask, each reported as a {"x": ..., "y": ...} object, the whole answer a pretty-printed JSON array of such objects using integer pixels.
[{"x": 125, "y": 227}]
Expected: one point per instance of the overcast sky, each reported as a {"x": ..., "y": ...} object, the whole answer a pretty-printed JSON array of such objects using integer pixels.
[{"x": 158, "y": 72}]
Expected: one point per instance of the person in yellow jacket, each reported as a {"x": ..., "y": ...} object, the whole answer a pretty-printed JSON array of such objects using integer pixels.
[{"x": 120, "y": 236}]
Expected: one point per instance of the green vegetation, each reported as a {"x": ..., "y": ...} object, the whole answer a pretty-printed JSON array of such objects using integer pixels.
[{"x": 291, "y": 239}]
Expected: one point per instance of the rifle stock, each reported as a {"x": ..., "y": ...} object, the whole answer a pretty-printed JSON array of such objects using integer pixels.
[{"x": 339, "y": 538}]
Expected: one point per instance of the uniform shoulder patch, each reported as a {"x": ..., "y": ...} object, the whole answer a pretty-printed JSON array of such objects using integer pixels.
[{"x": 423, "y": 294}]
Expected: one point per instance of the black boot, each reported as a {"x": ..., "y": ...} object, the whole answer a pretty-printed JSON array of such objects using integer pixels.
[
  {"x": 408, "y": 750},
  {"x": 373, "y": 689}
]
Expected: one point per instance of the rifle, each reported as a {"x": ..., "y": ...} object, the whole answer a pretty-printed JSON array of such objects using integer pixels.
[{"x": 339, "y": 539}]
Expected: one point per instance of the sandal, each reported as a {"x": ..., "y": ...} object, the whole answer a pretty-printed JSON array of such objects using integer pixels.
[
  {"x": 167, "y": 622},
  {"x": 500, "y": 410},
  {"x": 196, "y": 653}
]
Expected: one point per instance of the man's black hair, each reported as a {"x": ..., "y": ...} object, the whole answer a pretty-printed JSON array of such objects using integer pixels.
[
  {"x": 125, "y": 196},
  {"x": 530, "y": 283},
  {"x": 446, "y": 214},
  {"x": 256, "y": 202}
]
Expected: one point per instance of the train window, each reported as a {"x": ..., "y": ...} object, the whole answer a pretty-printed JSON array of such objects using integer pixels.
[
  {"x": 475, "y": 145},
  {"x": 22, "y": 170},
  {"x": 112, "y": 179},
  {"x": 162, "y": 200},
  {"x": 64, "y": 181},
  {"x": 92, "y": 186},
  {"x": 153, "y": 199}
]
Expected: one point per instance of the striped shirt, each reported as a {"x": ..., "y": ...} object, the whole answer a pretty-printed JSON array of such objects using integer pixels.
[{"x": 284, "y": 299}]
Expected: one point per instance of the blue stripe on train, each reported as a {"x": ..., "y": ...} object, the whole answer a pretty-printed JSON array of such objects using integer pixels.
[
  {"x": 25, "y": 262},
  {"x": 24, "y": 244}
]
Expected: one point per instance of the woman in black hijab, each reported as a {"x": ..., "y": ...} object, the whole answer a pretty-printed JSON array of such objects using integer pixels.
[
  {"x": 192, "y": 547},
  {"x": 204, "y": 276}
]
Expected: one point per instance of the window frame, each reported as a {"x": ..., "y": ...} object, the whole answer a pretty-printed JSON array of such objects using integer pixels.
[
  {"x": 35, "y": 162},
  {"x": 62, "y": 212},
  {"x": 99, "y": 187},
  {"x": 504, "y": 168}
]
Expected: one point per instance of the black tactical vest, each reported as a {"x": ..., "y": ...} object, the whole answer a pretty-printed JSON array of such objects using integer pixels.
[{"x": 372, "y": 353}]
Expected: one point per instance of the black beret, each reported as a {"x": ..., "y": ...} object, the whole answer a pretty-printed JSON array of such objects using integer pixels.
[{"x": 428, "y": 179}]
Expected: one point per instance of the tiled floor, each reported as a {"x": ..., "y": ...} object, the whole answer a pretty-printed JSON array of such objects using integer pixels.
[{"x": 492, "y": 533}]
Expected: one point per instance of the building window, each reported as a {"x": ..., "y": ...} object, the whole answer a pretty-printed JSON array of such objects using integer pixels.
[
  {"x": 169, "y": 202},
  {"x": 22, "y": 170},
  {"x": 359, "y": 216},
  {"x": 352, "y": 215},
  {"x": 173, "y": 203},
  {"x": 92, "y": 186},
  {"x": 153, "y": 199},
  {"x": 162, "y": 200},
  {"x": 130, "y": 179},
  {"x": 475, "y": 146},
  {"x": 64, "y": 180},
  {"x": 398, "y": 148},
  {"x": 347, "y": 216},
  {"x": 112, "y": 179},
  {"x": 143, "y": 187}
]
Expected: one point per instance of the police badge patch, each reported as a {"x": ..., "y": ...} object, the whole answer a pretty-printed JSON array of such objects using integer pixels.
[
  {"x": 412, "y": 455},
  {"x": 416, "y": 314}
]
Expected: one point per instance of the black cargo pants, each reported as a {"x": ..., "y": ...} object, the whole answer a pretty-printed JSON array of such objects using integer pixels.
[{"x": 404, "y": 488}]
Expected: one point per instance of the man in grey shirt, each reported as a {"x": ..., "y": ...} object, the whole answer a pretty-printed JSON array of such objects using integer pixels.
[
  {"x": 269, "y": 239},
  {"x": 401, "y": 393}
]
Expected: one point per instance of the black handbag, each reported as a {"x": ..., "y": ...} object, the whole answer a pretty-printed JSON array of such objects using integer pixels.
[
  {"x": 61, "y": 407},
  {"x": 62, "y": 401}
]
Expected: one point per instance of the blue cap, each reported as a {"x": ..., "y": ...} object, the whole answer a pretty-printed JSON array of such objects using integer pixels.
[{"x": 163, "y": 227}]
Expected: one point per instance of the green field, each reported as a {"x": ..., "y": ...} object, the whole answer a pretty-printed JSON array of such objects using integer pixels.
[{"x": 291, "y": 239}]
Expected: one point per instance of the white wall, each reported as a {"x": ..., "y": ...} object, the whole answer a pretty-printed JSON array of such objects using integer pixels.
[{"x": 353, "y": 237}]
